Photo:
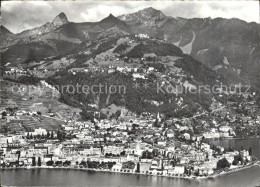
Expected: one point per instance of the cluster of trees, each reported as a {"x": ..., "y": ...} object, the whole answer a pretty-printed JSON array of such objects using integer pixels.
[
  {"x": 42, "y": 136},
  {"x": 10, "y": 111},
  {"x": 38, "y": 163},
  {"x": 237, "y": 159},
  {"x": 58, "y": 163},
  {"x": 94, "y": 164},
  {"x": 112, "y": 155},
  {"x": 155, "y": 153},
  {"x": 49, "y": 135},
  {"x": 89, "y": 164},
  {"x": 223, "y": 163}
]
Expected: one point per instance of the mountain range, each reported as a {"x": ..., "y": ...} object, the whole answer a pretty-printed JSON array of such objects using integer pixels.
[
  {"x": 207, "y": 49},
  {"x": 228, "y": 46}
]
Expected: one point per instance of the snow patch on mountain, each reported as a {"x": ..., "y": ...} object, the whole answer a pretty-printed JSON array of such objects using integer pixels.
[
  {"x": 238, "y": 71},
  {"x": 202, "y": 51},
  {"x": 251, "y": 52},
  {"x": 188, "y": 48},
  {"x": 225, "y": 61},
  {"x": 178, "y": 42}
]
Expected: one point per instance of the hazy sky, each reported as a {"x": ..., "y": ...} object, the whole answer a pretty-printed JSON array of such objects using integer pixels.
[{"x": 18, "y": 15}]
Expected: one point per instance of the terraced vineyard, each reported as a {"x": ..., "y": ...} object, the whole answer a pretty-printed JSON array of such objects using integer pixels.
[{"x": 32, "y": 108}]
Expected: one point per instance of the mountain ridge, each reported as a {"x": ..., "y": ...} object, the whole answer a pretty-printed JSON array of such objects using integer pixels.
[{"x": 227, "y": 46}]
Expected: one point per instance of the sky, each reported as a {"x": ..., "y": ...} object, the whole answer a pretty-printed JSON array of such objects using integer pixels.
[{"x": 22, "y": 15}]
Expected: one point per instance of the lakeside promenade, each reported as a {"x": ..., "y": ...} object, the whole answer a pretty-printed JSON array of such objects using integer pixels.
[{"x": 182, "y": 176}]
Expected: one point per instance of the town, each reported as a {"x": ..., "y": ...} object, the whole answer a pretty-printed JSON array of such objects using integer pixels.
[
  {"x": 128, "y": 144},
  {"x": 34, "y": 134}
]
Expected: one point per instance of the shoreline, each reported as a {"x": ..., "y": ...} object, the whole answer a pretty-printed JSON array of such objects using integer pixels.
[
  {"x": 232, "y": 138},
  {"x": 233, "y": 170},
  {"x": 135, "y": 173}
]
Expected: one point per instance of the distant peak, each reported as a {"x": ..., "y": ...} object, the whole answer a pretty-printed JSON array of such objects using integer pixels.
[
  {"x": 150, "y": 9},
  {"x": 60, "y": 19},
  {"x": 62, "y": 15},
  {"x": 151, "y": 12},
  {"x": 111, "y": 17}
]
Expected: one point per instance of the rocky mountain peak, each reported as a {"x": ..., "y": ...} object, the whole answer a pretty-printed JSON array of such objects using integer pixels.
[
  {"x": 60, "y": 19},
  {"x": 151, "y": 13},
  {"x": 111, "y": 15},
  {"x": 150, "y": 10},
  {"x": 147, "y": 16},
  {"x": 112, "y": 21},
  {"x": 4, "y": 30},
  {"x": 110, "y": 18}
]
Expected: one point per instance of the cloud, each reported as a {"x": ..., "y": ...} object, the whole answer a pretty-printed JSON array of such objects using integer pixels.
[{"x": 35, "y": 13}]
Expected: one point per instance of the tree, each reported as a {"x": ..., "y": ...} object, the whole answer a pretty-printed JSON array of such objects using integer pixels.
[
  {"x": 28, "y": 135},
  {"x": 156, "y": 123},
  {"x": 33, "y": 161},
  {"x": 138, "y": 168},
  {"x": 186, "y": 171},
  {"x": 4, "y": 114},
  {"x": 122, "y": 153},
  {"x": 118, "y": 113},
  {"x": 144, "y": 154},
  {"x": 39, "y": 161},
  {"x": 250, "y": 151},
  {"x": 58, "y": 162},
  {"x": 83, "y": 163},
  {"x": 66, "y": 163},
  {"x": 38, "y": 136},
  {"x": 48, "y": 134},
  {"x": 52, "y": 136},
  {"x": 223, "y": 163},
  {"x": 162, "y": 166},
  {"x": 60, "y": 135},
  {"x": 19, "y": 155},
  {"x": 50, "y": 163},
  {"x": 197, "y": 172},
  {"x": 235, "y": 162}
]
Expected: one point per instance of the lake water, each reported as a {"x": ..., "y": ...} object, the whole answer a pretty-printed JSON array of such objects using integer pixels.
[{"x": 64, "y": 177}]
